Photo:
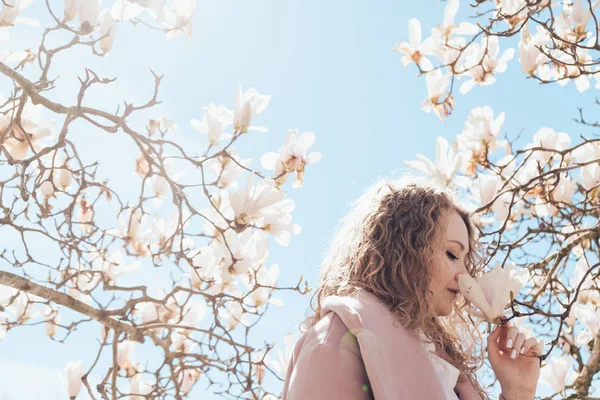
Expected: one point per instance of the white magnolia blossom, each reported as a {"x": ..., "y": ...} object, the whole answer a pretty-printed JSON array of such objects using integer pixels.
[
  {"x": 280, "y": 364},
  {"x": 215, "y": 121},
  {"x": 62, "y": 177},
  {"x": 247, "y": 106},
  {"x": 485, "y": 61},
  {"x": 51, "y": 319},
  {"x": 448, "y": 28},
  {"x": 125, "y": 352},
  {"x": 291, "y": 157},
  {"x": 564, "y": 190},
  {"x": 446, "y": 164},
  {"x": 124, "y": 10},
  {"x": 228, "y": 168},
  {"x": 177, "y": 18},
  {"x": 485, "y": 188},
  {"x": 231, "y": 315},
  {"x": 251, "y": 203},
  {"x": 88, "y": 12},
  {"x": 590, "y": 173},
  {"x": 530, "y": 56},
  {"x": 148, "y": 312},
  {"x": 414, "y": 50},
  {"x": 589, "y": 291},
  {"x": 278, "y": 222},
  {"x": 140, "y": 389},
  {"x": 437, "y": 84},
  {"x": 479, "y": 137},
  {"x": 548, "y": 138},
  {"x": 264, "y": 277},
  {"x": 11, "y": 9},
  {"x": 107, "y": 31},
  {"x": 188, "y": 379},
  {"x": 589, "y": 316},
  {"x": 20, "y": 141},
  {"x": 490, "y": 293},
  {"x": 74, "y": 372},
  {"x": 554, "y": 374},
  {"x": 70, "y": 11},
  {"x": 47, "y": 189}
]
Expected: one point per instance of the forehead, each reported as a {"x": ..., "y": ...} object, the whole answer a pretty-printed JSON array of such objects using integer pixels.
[{"x": 455, "y": 228}]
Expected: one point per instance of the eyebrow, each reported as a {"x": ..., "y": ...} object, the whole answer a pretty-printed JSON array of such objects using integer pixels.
[{"x": 462, "y": 246}]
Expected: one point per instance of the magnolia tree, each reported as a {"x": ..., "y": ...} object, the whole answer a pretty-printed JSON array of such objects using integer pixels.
[
  {"x": 536, "y": 207},
  {"x": 176, "y": 266}
]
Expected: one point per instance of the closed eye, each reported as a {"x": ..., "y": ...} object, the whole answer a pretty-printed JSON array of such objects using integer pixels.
[{"x": 451, "y": 256}]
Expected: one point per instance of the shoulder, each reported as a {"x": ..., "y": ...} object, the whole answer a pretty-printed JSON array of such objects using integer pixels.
[{"x": 329, "y": 334}]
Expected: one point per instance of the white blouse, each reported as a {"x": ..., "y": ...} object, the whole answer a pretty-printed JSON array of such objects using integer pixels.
[{"x": 447, "y": 372}]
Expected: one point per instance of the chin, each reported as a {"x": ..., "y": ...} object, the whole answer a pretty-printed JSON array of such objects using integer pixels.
[{"x": 445, "y": 310}]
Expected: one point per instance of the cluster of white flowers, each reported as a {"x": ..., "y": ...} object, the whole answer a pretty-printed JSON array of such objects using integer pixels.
[{"x": 556, "y": 52}]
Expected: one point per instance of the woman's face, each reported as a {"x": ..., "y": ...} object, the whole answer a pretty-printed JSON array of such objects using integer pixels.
[{"x": 449, "y": 261}]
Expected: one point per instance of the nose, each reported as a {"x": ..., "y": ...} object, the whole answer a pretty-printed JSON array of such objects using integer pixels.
[{"x": 461, "y": 271}]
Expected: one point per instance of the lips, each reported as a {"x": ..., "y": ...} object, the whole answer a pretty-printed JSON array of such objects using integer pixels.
[{"x": 454, "y": 292}]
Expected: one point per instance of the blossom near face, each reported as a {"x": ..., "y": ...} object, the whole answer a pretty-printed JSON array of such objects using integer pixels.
[{"x": 449, "y": 261}]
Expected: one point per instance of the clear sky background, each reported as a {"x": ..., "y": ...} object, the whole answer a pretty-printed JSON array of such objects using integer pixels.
[{"x": 330, "y": 69}]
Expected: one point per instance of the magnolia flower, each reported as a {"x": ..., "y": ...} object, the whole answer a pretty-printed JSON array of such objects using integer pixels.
[
  {"x": 148, "y": 312},
  {"x": 214, "y": 122},
  {"x": 74, "y": 372},
  {"x": 548, "y": 138},
  {"x": 479, "y": 137},
  {"x": 589, "y": 292},
  {"x": 437, "y": 83},
  {"x": 47, "y": 189},
  {"x": 564, "y": 190},
  {"x": 291, "y": 157},
  {"x": 228, "y": 167},
  {"x": 279, "y": 224},
  {"x": 446, "y": 164},
  {"x": 11, "y": 10},
  {"x": 161, "y": 125},
  {"x": 245, "y": 107},
  {"x": 486, "y": 62},
  {"x": 491, "y": 292},
  {"x": 51, "y": 320},
  {"x": 447, "y": 28},
  {"x": 231, "y": 314},
  {"x": 178, "y": 17},
  {"x": 124, "y": 10},
  {"x": 107, "y": 31},
  {"x": 125, "y": 352},
  {"x": 579, "y": 16},
  {"x": 249, "y": 203},
  {"x": 590, "y": 174},
  {"x": 512, "y": 12},
  {"x": 264, "y": 277},
  {"x": 414, "y": 50},
  {"x": 554, "y": 374},
  {"x": 88, "y": 12},
  {"x": 62, "y": 177},
  {"x": 29, "y": 134},
  {"x": 70, "y": 10},
  {"x": 140, "y": 389},
  {"x": 280, "y": 365},
  {"x": 188, "y": 379},
  {"x": 530, "y": 55},
  {"x": 486, "y": 187},
  {"x": 589, "y": 316}
]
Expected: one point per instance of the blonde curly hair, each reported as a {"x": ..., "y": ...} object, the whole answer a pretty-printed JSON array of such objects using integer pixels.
[{"x": 385, "y": 245}]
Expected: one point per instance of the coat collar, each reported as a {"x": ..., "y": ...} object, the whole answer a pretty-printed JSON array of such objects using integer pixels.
[{"x": 394, "y": 358}]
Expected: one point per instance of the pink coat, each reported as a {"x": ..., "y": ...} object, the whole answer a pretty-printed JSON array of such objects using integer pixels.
[{"x": 358, "y": 351}]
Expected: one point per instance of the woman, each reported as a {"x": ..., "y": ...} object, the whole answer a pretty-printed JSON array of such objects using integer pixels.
[{"x": 384, "y": 325}]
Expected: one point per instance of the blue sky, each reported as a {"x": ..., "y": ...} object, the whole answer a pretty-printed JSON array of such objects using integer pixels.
[{"x": 330, "y": 69}]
